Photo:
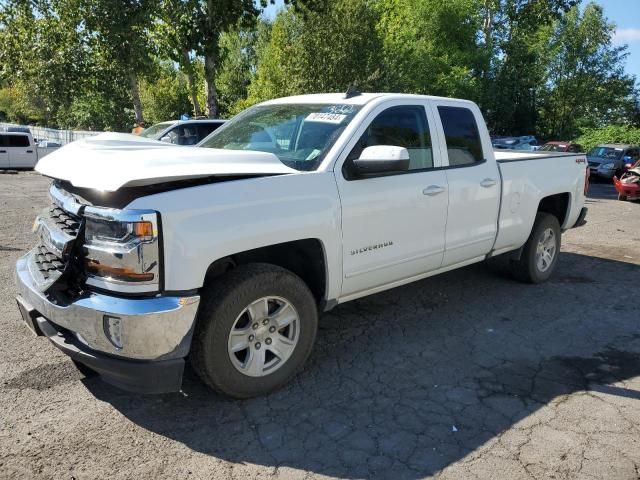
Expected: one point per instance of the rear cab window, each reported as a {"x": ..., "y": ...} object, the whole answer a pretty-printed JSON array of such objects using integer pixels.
[
  {"x": 16, "y": 141},
  {"x": 462, "y": 137}
]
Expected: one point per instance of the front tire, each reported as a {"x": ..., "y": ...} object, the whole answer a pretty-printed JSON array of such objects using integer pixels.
[
  {"x": 256, "y": 328},
  {"x": 540, "y": 254},
  {"x": 622, "y": 198}
]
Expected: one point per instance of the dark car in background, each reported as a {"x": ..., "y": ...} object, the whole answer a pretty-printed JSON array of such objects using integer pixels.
[
  {"x": 611, "y": 159},
  {"x": 182, "y": 132},
  {"x": 560, "y": 146}
]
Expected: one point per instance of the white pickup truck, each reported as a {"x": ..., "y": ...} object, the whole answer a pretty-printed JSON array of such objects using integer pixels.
[
  {"x": 19, "y": 150},
  {"x": 226, "y": 253}
]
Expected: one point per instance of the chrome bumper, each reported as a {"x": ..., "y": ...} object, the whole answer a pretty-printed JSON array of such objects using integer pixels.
[{"x": 155, "y": 328}]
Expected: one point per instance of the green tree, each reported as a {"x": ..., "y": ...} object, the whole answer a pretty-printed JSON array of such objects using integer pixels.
[
  {"x": 319, "y": 50},
  {"x": 177, "y": 39},
  {"x": 165, "y": 97},
  {"x": 515, "y": 33},
  {"x": 585, "y": 83},
  {"x": 121, "y": 32},
  {"x": 430, "y": 47},
  {"x": 237, "y": 67}
]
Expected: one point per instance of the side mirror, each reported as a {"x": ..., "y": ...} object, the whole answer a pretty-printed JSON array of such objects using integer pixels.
[
  {"x": 381, "y": 159},
  {"x": 627, "y": 158},
  {"x": 166, "y": 139}
]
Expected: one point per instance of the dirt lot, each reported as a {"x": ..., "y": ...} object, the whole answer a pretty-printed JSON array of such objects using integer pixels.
[{"x": 465, "y": 375}]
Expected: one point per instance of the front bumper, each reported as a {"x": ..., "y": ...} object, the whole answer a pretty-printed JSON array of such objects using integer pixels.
[{"x": 155, "y": 333}]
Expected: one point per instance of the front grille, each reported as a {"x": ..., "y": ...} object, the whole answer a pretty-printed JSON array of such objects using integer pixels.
[
  {"x": 49, "y": 264},
  {"x": 68, "y": 223},
  {"x": 55, "y": 253}
]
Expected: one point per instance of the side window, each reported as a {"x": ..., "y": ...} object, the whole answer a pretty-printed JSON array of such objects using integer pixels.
[
  {"x": 204, "y": 129},
  {"x": 18, "y": 141},
  {"x": 461, "y": 134},
  {"x": 402, "y": 126}
]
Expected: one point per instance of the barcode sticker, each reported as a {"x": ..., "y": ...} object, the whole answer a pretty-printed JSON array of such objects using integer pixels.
[{"x": 335, "y": 118}]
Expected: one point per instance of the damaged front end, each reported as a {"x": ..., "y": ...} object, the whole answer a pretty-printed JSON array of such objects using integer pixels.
[{"x": 628, "y": 185}]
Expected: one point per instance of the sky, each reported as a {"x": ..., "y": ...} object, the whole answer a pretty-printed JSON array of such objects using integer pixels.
[{"x": 624, "y": 13}]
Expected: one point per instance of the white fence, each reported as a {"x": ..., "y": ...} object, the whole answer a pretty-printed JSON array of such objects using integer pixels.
[{"x": 60, "y": 136}]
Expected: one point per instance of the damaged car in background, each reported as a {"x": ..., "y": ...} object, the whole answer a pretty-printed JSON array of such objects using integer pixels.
[{"x": 628, "y": 185}]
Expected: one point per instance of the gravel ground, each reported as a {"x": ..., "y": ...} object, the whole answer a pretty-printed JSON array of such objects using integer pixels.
[{"x": 465, "y": 375}]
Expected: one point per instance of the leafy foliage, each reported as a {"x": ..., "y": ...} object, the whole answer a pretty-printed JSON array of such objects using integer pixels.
[
  {"x": 592, "y": 137},
  {"x": 544, "y": 67}
]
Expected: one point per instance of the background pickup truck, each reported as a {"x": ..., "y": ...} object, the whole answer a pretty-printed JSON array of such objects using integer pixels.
[
  {"x": 19, "y": 150},
  {"x": 225, "y": 253}
]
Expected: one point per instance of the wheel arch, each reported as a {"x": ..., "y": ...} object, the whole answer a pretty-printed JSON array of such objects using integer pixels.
[
  {"x": 557, "y": 205},
  {"x": 305, "y": 257}
]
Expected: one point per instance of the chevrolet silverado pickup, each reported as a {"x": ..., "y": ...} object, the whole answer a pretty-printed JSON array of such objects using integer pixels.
[{"x": 225, "y": 254}]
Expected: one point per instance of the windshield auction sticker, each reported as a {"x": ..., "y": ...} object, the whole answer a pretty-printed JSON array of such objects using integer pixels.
[{"x": 335, "y": 118}]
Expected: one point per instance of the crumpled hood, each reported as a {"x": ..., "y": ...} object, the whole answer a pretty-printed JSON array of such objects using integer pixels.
[{"x": 110, "y": 161}]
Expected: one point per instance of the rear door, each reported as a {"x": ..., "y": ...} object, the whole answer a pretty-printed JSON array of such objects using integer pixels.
[
  {"x": 392, "y": 226},
  {"x": 21, "y": 153},
  {"x": 473, "y": 179},
  {"x": 4, "y": 152}
]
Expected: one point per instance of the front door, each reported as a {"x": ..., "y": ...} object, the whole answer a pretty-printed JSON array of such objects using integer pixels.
[{"x": 392, "y": 226}]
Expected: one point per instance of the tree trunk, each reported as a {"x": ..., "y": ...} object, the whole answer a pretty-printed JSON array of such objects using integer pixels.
[
  {"x": 193, "y": 90},
  {"x": 135, "y": 95},
  {"x": 209, "y": 80}
]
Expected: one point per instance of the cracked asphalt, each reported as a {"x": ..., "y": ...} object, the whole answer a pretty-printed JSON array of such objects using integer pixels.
[{"x": 467, "y": 375}]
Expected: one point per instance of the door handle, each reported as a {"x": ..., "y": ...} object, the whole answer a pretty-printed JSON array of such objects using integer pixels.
[
  {"x": 487, "y": 182},
  {"x": 3, "y": 151},
  {"x": 432, "y": 190},
  {"x": 29, "y": 151}
]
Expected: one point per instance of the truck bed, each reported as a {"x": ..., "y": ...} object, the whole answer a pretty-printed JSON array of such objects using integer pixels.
[
  {"x": 525, "y": 182},
  {"x": 518, "y": 156}
]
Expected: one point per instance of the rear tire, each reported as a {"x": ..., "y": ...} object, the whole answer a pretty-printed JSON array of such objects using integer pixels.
[
  {"x": 239, "y": 348},
  {"x": 540, "y": 254}
]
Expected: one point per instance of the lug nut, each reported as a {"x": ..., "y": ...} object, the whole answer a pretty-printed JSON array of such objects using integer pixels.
[
  {"x": 255, "y": 326},
  {"x": 258, "y": 345},
  {"x": 268, "y": 341},
  {"x": 265, "y": 321},
  {"x": 272, "y": 329},
  {"x": 251, "y": 337}
]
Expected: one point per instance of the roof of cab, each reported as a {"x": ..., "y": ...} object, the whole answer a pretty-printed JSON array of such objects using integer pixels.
[{"x": 357, "y": 99}]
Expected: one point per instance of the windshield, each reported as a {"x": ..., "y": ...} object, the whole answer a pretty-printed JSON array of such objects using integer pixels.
[
  {"x": 154, "y": 131},
  {"x": 606, "y": 152},
  {"x": 299, "y": 135},
  {"x": 553, "y": 147}
]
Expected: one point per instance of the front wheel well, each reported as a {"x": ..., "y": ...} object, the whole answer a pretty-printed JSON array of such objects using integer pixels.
[
  {"x": 556, "y": 205},
  {"x": 304, "y": 257}
]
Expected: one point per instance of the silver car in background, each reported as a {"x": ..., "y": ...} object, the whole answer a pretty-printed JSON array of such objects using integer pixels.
[
  {"x": 182, "y": 132},
  {"x": 609, "y": 159}
]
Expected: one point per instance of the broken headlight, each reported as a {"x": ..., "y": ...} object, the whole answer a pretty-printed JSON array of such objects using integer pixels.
[{"x": 122, "y": 249}]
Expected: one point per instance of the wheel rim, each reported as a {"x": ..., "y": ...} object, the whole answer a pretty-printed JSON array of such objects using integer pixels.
[
  {"x": 546, "y": 250},
  {"x": 264, "y": 336}
]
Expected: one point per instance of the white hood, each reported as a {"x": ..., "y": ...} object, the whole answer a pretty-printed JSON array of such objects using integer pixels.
[{"x": 110, "y": 161}]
